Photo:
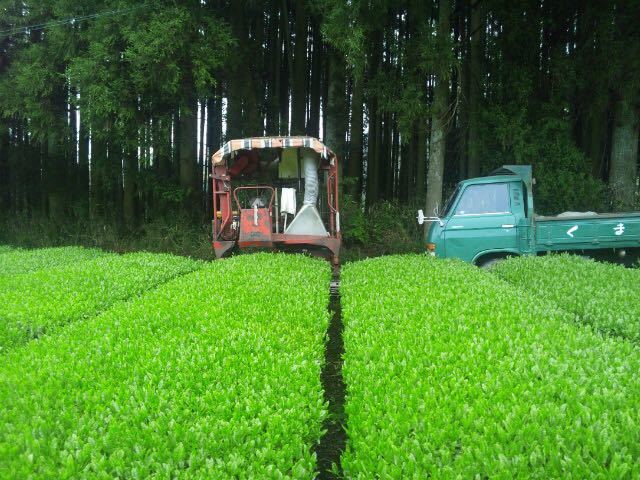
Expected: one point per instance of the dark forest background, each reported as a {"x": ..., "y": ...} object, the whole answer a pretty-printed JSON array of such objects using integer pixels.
[{"x": 110, "y": 109}]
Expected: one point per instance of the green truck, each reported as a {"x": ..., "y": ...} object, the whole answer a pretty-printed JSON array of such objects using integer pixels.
[{"x": 489, "y": 218}]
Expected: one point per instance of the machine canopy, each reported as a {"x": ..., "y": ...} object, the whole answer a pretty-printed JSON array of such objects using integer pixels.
[{"x": 271, "y": 142}]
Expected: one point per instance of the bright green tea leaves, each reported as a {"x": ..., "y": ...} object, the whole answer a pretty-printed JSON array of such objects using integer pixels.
[
  {"x": 33, "y": 304},
  {"x": 215, "y": 374},
  {"x": 25, "y": 261},
  {"x": 603, "y": 295},
  {"x": 452, "y": 373}
]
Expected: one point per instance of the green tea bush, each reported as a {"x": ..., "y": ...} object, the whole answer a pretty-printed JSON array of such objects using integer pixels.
[
  {"x": 453, "y": 373},
  {"x": 215, "y": 374},
  {"x": 24, "y": 261},
  {"x": 603, "y": 295},
  {"x": 32, "y": 304}
]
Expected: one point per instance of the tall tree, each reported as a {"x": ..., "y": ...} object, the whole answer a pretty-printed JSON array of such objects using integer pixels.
[
  {"x": 354, "y": 164},
  {"x": 441, "y": 112},
  {"x": 187, "y": 142},
  {"x": 417, "y": 71},
  {"x": 378, "y": 74},
  {"x": 375, "y": 123},
  {"x": 623, "y": 171},
  {"x": 475, "y": 78},
  {"x": 315, "y": 87},
  {"x": 300, "y": 71},
  {"x": 336, "y": 103}
]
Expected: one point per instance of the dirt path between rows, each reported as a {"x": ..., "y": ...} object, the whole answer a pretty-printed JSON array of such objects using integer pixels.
[{"x": 333, "y": 442}]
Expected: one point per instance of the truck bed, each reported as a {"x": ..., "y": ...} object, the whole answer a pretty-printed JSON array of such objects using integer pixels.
[{"x": 585, "y": 231}]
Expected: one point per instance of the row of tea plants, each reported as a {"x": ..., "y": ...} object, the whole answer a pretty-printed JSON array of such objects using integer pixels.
[
  {"x": 17, "y": 261},
  {"x": 215, "y": 374},
  {"x": 6, "y": 249},
  {"x": 603, "y": 295},
  {"x": 453, "y": 373},
  {"x": 34, "y": 303}
]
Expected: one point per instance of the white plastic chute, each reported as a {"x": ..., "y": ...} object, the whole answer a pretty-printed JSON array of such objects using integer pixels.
[{"x": 307, "y": 222}]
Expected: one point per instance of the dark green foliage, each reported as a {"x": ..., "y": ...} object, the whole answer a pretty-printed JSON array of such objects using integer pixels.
[
  {"x": 386, "y": 227},
  {"x": 552, "y": 83},
  {"x": 354, "y": 225},
  {"x": 170, "y": 235},
  {"x": 562, "y": 172},
  {"x": 392, "y": 227}
]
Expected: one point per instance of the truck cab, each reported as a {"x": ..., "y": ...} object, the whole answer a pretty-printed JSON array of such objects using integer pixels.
[
  {"x": 489, "y": 218},
  {"x": 483, "y": 217}
]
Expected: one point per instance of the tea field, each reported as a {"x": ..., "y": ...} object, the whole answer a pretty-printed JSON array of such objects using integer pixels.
[
  {"x": 453, "y": 373},
  {"x": 602, "y": 295},
  {"x": 16, "y": 261},
  {"x": 210, "y": 375},
  {"x": 78, "y": 286},
  {"x": 156, "y": 366}
]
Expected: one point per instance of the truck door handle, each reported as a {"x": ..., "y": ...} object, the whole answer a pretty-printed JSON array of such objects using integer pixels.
[{"x": 508, "y": 226}]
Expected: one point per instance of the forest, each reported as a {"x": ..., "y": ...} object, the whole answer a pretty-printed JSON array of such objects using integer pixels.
[{"x": 111, "y": 109}]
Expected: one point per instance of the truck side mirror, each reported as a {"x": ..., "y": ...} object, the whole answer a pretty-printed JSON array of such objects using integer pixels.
[{"x": 421, "y": 218}]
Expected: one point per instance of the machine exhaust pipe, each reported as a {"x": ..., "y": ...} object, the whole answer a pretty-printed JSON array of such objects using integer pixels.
[{"x": 310, "y": 169}]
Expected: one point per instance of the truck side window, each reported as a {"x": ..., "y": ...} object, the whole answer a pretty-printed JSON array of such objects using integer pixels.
[
  {"x": 450, "y": 201},
  {"x": 487, "y": 198}
]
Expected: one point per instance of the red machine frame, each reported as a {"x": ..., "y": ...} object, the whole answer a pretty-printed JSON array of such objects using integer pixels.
[{"x": 258, "y": 220}]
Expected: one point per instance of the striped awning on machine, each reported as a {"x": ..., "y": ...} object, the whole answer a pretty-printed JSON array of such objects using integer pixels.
[{"x": 271, "y": 142}]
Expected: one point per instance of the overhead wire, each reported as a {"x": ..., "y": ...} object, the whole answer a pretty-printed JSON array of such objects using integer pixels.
[{"x": 69, "y": 21}]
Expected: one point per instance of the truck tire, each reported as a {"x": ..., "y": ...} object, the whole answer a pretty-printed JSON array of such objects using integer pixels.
[{"x": 491, "y": 262}]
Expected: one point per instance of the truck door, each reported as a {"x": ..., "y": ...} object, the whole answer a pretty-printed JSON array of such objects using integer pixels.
[{"x": 482, "y": 221}]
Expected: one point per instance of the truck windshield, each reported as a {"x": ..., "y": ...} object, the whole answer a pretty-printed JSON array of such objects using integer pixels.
[{"x": 488, "y": 198}]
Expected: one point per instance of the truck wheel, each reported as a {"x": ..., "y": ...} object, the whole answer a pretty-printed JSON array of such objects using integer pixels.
[{"x": 492, "y": 262}]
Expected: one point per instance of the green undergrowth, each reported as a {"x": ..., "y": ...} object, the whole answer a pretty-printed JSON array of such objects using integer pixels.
[
  {"x": 215, "y": 374},
  {"x": 603, "y": 295},
  {"x": 176, "y": 233},
  {"x": 6, "y": 249},
  {"x": 453, "y": 373},
  {"x": 25, "y": 261},
  {"x": 32, "y": 304}
]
